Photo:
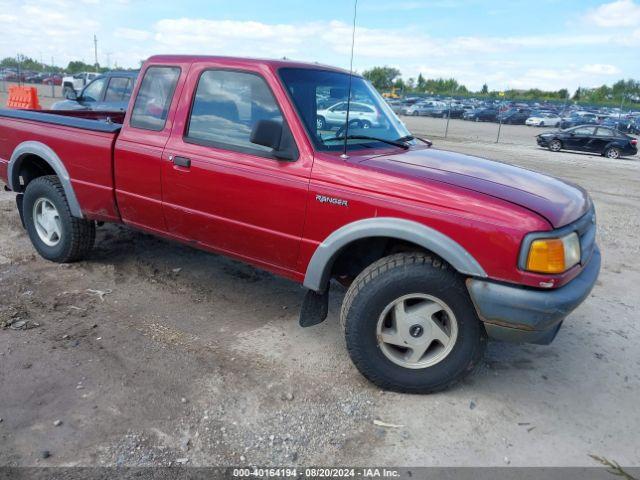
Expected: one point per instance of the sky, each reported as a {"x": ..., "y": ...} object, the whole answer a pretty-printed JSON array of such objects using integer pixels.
[{"x": 547, "y": 44}]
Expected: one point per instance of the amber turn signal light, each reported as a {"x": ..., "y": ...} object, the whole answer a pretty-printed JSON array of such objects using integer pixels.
[{"x": 553, "y": 255}]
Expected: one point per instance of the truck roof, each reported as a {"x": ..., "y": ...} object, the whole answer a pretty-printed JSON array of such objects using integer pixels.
[{"x": 238, "y": 61}]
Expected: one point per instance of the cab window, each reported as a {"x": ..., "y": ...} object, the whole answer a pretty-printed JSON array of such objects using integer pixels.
[
  {"x": 226, "y": 107},
  {"x": 154, "y": 98}
]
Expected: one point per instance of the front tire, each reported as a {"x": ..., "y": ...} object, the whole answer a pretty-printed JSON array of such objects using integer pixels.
[
  {"x": 321, "y": 123},
  {"x": 54, "y": 232},
  {"x": 410, "y": 325},
  {"x": 555, "y": 145}
]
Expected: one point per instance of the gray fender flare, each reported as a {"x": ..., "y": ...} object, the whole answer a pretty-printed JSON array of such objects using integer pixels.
[
  {"x": 44, "y": 152},
  {"x": 319, "y": 269}
]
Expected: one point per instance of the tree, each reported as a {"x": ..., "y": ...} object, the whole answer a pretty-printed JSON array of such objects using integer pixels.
[
  {"x": 577, "y": 95},
  {"x": 382, "y": 77},
  {"x": 422, "y": 84},
  {"x": 79, "y": 66},
  {"x": 485, "y": 89}
]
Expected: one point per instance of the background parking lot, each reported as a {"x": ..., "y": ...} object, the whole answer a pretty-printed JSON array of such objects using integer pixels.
[{"x": 152, "y": 353}]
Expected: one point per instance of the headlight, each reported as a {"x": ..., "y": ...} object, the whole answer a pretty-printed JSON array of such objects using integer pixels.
[{"x": 554, "y": 255}]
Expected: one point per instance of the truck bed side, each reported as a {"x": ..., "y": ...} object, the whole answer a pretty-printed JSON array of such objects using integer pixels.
[{"x": 78, "y": 148}]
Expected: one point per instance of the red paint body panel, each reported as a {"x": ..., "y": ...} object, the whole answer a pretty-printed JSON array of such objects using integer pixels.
[
  {"x": 264, "y": 211},
  {"x": 86, "y": 155}
]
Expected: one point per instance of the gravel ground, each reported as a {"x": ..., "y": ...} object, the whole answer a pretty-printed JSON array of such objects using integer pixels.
[{"x": 152, "y": 353}]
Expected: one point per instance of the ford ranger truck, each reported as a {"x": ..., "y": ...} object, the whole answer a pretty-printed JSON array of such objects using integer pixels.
[{"x": 438, "y": 251}]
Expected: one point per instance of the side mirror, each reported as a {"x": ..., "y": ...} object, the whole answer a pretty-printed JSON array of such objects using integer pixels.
[
  {"x": 272, "y": 134},
  {"x": 71, "y": 94}
]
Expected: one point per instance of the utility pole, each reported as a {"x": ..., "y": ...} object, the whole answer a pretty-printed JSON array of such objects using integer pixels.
[{"x": 95, "y": 49}]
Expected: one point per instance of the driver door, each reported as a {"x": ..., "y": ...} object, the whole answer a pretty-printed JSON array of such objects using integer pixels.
[{"x": 222, "y": 191}]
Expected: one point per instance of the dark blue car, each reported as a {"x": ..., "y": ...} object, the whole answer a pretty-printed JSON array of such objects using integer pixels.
[{"x": 109, "y": 92}]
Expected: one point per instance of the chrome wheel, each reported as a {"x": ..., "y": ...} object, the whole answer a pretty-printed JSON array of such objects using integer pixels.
[
  {"x": 613, "y": 153},
  {"x": 417, "y": 331},
  {"x": 555, "y": 145},
  {"x": 46, "y": 219}
]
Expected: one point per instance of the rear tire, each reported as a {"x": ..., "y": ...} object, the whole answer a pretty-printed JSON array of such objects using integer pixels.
[
  {"x": 56, "y": 235},
  {"x": 435, "y": 305},
  {"x": 613, "y": 153}
]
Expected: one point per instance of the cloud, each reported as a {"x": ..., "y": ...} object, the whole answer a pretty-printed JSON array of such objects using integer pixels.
[
  {"x": 621, "y": 13},
  {"x": 132, "y": 34},
  {"x": 601, "y": 69},
  {"x": 47, "y": 29}
]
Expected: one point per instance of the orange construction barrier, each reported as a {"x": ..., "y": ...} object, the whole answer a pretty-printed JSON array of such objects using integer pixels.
[{"x": 23, "y": 97}]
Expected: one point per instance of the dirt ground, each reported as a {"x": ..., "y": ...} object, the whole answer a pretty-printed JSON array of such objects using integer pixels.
[{"x": 152, "y": 353}]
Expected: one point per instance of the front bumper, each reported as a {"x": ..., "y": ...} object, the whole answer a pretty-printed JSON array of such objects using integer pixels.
[
  {"x": 542, "y": 142},
  {"x": 526, "y": 315}
]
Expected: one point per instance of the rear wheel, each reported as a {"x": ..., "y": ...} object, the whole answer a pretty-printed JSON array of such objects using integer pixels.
[
  {"x": 365, "y": 124},
  {"x": 54, "y": 232},
  {"x": 321, "y": 123},
  {"x": 410, "y": 325},
  {"x": 612, "y": 152},
  {"x": 555, "y": 145}
]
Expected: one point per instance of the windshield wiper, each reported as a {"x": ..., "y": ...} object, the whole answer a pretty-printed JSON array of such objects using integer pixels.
[
  {"x": 395, "y": 143},
  {"x": 407, "y": 138}
]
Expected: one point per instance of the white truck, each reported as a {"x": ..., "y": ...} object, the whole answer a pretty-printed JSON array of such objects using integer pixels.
[{"x": 77, "y": 81}]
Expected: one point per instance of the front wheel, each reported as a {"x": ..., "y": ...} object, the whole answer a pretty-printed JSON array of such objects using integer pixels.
[
  {"x": 54, "y": 232},
  {"x": 321, "y": 123},
  {"x": 410, "y": 325},
  {"x": 555, "y": 145}
]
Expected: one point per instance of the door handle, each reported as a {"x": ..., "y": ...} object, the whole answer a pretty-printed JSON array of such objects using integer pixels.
[{"x": 181, "y": 161}]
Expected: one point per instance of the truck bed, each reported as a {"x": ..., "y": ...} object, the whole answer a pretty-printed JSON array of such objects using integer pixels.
[{"x": 81, "y": 142}]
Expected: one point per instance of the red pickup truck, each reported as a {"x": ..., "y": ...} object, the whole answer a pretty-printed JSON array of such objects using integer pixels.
[{"x": 438, "y": 250}]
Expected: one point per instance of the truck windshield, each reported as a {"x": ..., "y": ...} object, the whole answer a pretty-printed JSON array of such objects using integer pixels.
[{"x": 320, "y": 96}]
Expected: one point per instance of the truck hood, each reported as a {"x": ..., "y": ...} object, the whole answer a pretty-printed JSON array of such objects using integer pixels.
[{"x": 558, "y": 201}]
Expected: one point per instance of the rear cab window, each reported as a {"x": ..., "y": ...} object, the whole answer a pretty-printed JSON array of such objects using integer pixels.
[{"x": 154, "y": 97}]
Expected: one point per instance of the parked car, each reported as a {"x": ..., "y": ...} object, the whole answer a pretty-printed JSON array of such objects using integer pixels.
[
  {"x": 77, "y": 82},
  {"x": 590, "y": 138},
  {"x": 454, "y": 111},
  {"x": 108, "y": 92},
  {"x": 622, "y": 124},
  {"x": 428, "y": 108},
  {"x": 438, "y": 250},
  {"x": 365, "y": 115},
  {"x": 54, "y": 79},
  {"x": 544, "y": 120},
  {"x": 579, "y": 119},
  {"x": 482, "y": 115},
  {"x": 515, "y": 116}
]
